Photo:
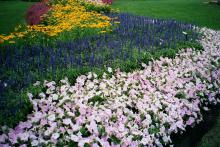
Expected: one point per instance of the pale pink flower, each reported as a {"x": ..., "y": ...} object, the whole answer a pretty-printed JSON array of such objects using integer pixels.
[
  {"x": 3, "y": 137},
  {"x": 190, "y": 121},
  {"x": 24, "y": 136},
  {"x": 75, "y": 138},
  {"x": 55, "y": 136},
  {"x": 34, "y": 143},
  {"x": 52, "y": 117},
  {"x": 67, "y": 121}
]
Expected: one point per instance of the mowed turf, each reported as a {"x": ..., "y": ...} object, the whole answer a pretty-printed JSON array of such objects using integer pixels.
[
  {"x": 212, "y": 137},
  {"x": 12, "y": 13},
  {"x": 193, "y": 11}
]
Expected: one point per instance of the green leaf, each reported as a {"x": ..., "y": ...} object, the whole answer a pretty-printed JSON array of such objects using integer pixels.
[
  {"x": 85, "y": 132},
  {"x": 181, "y": 95},
  {"x": 114, "y": 139}
]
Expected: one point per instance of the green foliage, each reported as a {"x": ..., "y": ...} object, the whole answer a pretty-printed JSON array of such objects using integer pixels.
[
  {"x": 77, "y": 113},
  {"x": 101, "y": 130},
  {"x": 11, "y": 120},
  {"x": 73, "y": 144},
  {"x": 114, "y": 118},
  {"x": 74, "y": 34},
  {"x": 114, "y": 139},
  {"x": 69, "y": 144},
  {"x": 137, "y": 137},
  {"x": 97, "y": 8},
  {"x": 87, "y": 145},
  {"x": 85, "y": 132},
  {"x": 65, "y": 36},
  {"x": 190, "y": 44},
  {"x": 181, "y": 95},
  {"x": 96, "y": 100},
  {"x": 142, "y": 116},
  {"x": 154, "y": 130}
]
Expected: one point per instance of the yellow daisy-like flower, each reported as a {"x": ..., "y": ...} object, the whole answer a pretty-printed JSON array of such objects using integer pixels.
[{"x": 64, "y": 17}]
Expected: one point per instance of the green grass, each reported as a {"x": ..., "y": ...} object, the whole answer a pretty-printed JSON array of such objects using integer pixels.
[
  {"x": 212, "y": 137},
  {"x": 193, "y": 11},
  {"x": 12, "y": 13}
]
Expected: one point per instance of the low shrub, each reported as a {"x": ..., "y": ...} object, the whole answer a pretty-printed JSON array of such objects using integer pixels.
[
  {"x": 107, "y": 1},
  {"x": 35, "y": 12}
]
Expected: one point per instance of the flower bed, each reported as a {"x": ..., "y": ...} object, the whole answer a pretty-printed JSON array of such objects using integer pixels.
[
  {"x": 69, "y": 15},
  {"x": 58, "y": 19},
  {"x": 143, "y": 107},
  {"x": 136, "y": 39}
]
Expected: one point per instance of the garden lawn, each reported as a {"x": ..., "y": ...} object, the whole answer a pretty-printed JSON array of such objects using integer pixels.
[
  {"x": 193, "y": 11},
  {"x": 12, "y": 13},
  {"x": 212, "y": 138}
]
